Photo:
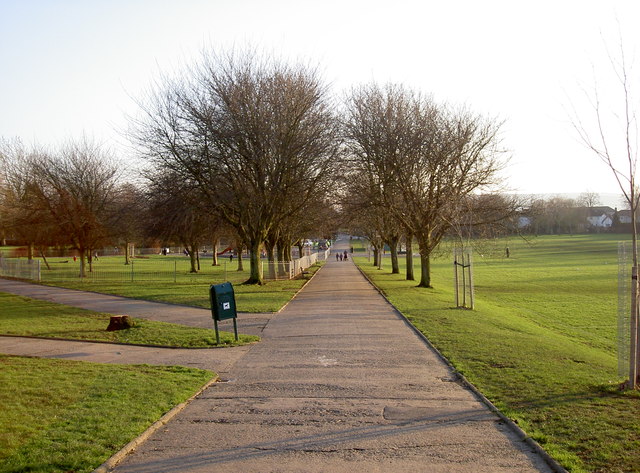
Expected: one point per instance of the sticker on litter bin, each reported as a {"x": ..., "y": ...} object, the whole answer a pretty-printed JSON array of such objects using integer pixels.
[{"x": 226, "y": 305}]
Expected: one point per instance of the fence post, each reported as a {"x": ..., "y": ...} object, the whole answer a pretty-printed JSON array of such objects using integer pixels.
[
  {"x": 132, "y": 270},
  {"x": 39, "y": 273}
]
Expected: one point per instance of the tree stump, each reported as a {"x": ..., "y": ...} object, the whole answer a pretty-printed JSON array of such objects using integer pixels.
[{"x": 119, "y": 322}]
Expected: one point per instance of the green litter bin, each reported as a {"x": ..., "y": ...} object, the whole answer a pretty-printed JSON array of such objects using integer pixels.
[{"x": 223, "y": 306}]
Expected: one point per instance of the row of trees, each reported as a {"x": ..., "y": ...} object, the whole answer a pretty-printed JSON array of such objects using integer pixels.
[
  {"x": 251, "y": 146},
  {"x": 76, "y": 197},
  {"x": 420, "y": 170},
  {"x": 66, "y": 197},
  {"x": 253, "y": 140}
]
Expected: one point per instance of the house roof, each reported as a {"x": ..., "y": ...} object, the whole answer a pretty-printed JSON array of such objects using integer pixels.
[{"x": 598, "y": 211}]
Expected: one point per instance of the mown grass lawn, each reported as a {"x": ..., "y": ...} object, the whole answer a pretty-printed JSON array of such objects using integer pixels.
[
  {"x": 167, "y": 279},
  {"x": 68, "y": 416},
  {"x": 31, "y": 317},
  {"x": 541, "y": 343}
]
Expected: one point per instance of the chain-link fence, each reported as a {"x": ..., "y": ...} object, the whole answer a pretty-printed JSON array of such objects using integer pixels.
[
  {"x": 624, "y": 308},
  {"x": 20, "y": 268},
  {"x": 172, "y": 268}
]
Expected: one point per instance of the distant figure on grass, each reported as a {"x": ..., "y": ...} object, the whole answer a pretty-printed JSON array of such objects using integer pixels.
[{"x": 231, "y": 257}]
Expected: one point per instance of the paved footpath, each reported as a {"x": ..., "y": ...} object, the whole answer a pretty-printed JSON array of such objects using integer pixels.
[{"x": 339, "y": 383}]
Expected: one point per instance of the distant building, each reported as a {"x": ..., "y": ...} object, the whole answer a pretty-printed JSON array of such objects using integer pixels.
[
  {"x": 624, "y": 216},
  {"x": 524, "y": 222},
  {"x": 600, "y": 217}
]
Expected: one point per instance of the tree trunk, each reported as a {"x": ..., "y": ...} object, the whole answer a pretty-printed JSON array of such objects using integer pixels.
[
  {"x": 192, "y": 259},
  {"x": 120, "y": 322},
  {"x": 376, "y": 254},
  {"x": 634, "y": 325},
  {"x": 255, "y": 272},
  {"x": 425, "y": 270},
  {"x": 30, "y": 251},
  {"x": 409, "y": 258},
  {"x": 240, "y": 260},
  {"x": 425, "y": 264},
  {"x": 83, "y": 264},
  {"x": 44, "y": 258},
  {"x": 282, "y": 270},
  {"x": 271, "y": 260},
  {"x": 126, "y": 254},
  {"x": 215, "y": 261},
  {"x": 286, "y": 251},
  {"x": 393, "y": 244}
]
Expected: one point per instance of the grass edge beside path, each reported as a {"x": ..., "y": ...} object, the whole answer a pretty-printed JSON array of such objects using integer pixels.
[
  {"x": 541, "y": 356},
  {"x": 23, "y": 316},
  {"x": 63, "y": 415},
  {"x": 250, "y": 298}
]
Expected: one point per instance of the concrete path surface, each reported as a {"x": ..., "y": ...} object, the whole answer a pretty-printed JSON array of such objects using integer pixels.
[{"x": 339, "y": 383}]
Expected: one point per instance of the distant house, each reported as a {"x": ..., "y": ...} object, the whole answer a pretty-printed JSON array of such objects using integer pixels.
[
  {"x": 624, "y": 216},
  {"x": 524, "y": 221},
  {"x": 600, "y": 217}
]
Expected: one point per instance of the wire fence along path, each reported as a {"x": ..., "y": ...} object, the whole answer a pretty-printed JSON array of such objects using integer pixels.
[
  {"x": 292, "y": 269},
  {"x": 20, "y": 268},
  {"x": 149, "y": 268}
]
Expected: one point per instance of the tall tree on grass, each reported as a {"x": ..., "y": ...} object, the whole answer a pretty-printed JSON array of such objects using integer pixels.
[
  {"x": 383, "y": 126},
  {"x": 611, "y": 133},
  {"x": 176, "y": 213},
  {"x": 21, "y": 211},
  {"x": 423, "y": 158},
  {"x": 126, "y": 216},
  {"x": 75, "y": 187},
  {"x": 459, "y": 157},
  {"x": 257, "y": 135}
]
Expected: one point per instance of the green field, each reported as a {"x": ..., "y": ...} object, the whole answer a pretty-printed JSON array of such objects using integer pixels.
[
  {"x": 69, "y": 416},
  {"x": 31, "y": 317},
  {"x": 167, "y": 279},
  {"x": 541, "y": 343}
]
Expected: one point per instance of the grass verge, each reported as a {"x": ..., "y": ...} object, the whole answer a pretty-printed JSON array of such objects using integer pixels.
[
  {"x": 152, "y": 282},
  {"x": 541, "y": 344},
  {"x": 31, "y": 317},
  {"x": 63, "y": 416}
]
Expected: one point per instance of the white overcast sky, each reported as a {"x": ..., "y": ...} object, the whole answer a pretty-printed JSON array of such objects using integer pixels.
[{"x": 72, "y": 67}]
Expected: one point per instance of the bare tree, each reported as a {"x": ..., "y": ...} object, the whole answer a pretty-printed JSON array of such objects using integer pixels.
[
  {"x": 74, "y": 187},
  {"x": 258, "y": 137},
  {"x": 21, "y": 212},
  {"x": 611, "y": 133},
  {"x": 383, "y": 126},
  {"x": 460, "y": 157},
  {"x": 424, "y": 159},
  {"x": 588, "y": 199},
  {"x": 125, "y": 221},
  {"x": 176, "y": 213}
]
